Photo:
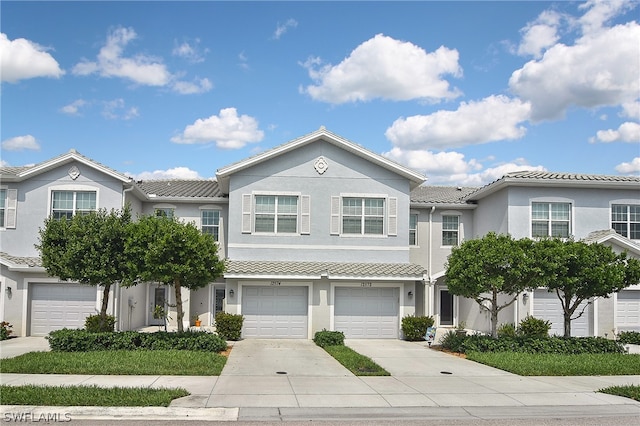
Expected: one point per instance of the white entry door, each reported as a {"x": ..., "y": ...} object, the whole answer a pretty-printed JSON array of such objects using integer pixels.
[
  {"x": 367, "y": 312},
  {"x": 275, "y": 312},
  {"x": 57, "y": 306}
]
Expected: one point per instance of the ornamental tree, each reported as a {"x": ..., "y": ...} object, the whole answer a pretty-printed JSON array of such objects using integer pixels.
[
  {"x": 577, "y": 272},
  {"x": 482, "y": 269},
  {"x": 167, "y": 250},
  {"x": 87, "y": 248}
]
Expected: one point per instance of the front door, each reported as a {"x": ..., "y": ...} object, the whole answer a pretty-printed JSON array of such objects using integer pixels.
[
  {"x": 218, "y": 301},
  {"x": 157, "y": 298},
  {"x": 446, "y": 307}
]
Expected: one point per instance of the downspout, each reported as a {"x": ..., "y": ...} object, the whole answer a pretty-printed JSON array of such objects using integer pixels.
[{"x": 431, "y": 306}]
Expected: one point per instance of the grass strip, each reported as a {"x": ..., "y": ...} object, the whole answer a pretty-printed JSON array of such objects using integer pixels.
[
  {"x": 525, "y": 364},
  {"x": 88, "y": 396},
  {"x": 629, "y": 391},
  {"x": 141, "y": 362},
  {"x": 358, "y": 364}
]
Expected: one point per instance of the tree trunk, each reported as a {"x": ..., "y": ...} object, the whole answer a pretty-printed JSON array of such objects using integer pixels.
[
  {"x": 567, "y": 325},
  {"x": 179, "y": 312},
  {"x": 105, "y": 300},
  {"x": 494, "y": 314}
]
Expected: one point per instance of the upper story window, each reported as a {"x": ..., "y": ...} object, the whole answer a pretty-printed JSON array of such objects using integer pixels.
[
  {"x": 413, "y": 229},
  {"x": 450, "y": 230},
  {"x": 276, "y": 214},
  {"x": 210, "y": 222},
  {"x": 164, "y": 212},
  {"x": 551, "y": 220},
  {"x": 363, "y": 216},
  {"x": 65, "y": 204},
  {"x": 625, "y": 220},
  {"x": 3, "y": 206}
]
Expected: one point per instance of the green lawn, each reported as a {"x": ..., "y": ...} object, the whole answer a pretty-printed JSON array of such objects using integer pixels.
[
  {"x": 88, "y": 396},
  {"x": 560, "y": 365},
  {"x": 172, "y": 362},
  {"x": 359, "y": 365},
  {"x": 630, "y": 391}
]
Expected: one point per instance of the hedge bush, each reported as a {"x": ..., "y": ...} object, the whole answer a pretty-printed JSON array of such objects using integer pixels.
[
  {"x": 534, "y": 327},
  {"x": 629, "y": 337},
  {"x": 229, "y": 326},
  {"x": 552, "y": 345},
  {"x": 67, "y": 340},
  {"x": 99, "y": 323},
  {"x": 326, "y": 338},
  {"x": 5, "y": 330},
  {"x": 415, "y": 328},
  {"x": 507, "y": 330}
]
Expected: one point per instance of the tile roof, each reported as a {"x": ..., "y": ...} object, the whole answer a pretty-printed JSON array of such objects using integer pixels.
[
  {"x": 181, "y": 188},
  {"x": 22, "y": 261},
  {"x": 570, "y": 177},
  {"x": 441, "y": 194},
  {"x": 8, "y": 170},
  {"x": 329, "y": 269}
]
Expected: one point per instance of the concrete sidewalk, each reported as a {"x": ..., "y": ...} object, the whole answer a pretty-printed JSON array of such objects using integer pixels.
[{"x": 265, "y": 378}]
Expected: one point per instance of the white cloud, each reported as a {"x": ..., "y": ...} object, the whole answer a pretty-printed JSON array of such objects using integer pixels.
[
  {"x": 175, "y": 173},
  {"x": 21, "y": 59},
  {"x": 600, "y": 69},
  {"x": 200, "y": 85},
  {"x": 281, "y": 29},
  {"x": 540, "y": 34},
  {"x": 141, "y": 69},
  {"x": 491, "y": 119},
  {"x": 21, "y": 143},
  {"x": 631, "y": 110},
  {"x": 74, "y": 107},
  {"x": 627, "y": 132},
  {"x": 383, "y": 67},
  {"x": 190, "y": 51},
  {"x": 629, "y": 168},
  {"x": 599, "y": 12},
  {"x": 451, "y": 168},
  {"x": 227, "y": 130},
  {"x": 117, "y": 110}
]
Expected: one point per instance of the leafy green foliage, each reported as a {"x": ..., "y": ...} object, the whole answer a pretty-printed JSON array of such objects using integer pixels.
[
  {"x": 554, "y": 344},
  {"x": 326, "y": 338},
  {"x": 629, "y": 337},
  {"x": 99, "y": 323},
  {"x": 548, "y": 364},
  {"x": 482, "y": 269},
  {"x": 415, "y": 328},
  {"x": 89, "y": 249},
  {"x": 534, "y": 327},
  {"x": 358, "y": 364},
  {"x": 229, "y": 326},
  {"x": 5, "y": 330},
  {"x": 452, "y": 341},
  {"x": 172, "y": 252},
  {"x": 507, "y": 330},
  {"x": 67, "y": 340},
  {"x": 87, "y": 396},
  {"x": 629, "y": 391},
  {"x": 577, "y": 271}
]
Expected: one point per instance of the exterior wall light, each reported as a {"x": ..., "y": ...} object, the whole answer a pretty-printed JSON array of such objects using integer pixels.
[
  {"x": 525, "y": 297},
  {"x": 231, "y": 293},
  {"x": 410, "y": 294},
  {"x": 8, "y": 290}
]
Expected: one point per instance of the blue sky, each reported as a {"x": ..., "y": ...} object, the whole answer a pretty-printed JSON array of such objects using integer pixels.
[{"x": 463, "y": 92}]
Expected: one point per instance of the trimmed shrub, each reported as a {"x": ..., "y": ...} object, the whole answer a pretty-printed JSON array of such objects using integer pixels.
[
  {"x": 326, "y": 338},
  {"x": 67, "y": 340},
  {"x": 534, "y": 327},
  {"x": 507, "y": 330},
  {"x": 452, "y": 341},
  {"x": 415, "y": 328},
  {"x": 99, "y": 323},
  {"x": 5, "y": 330},
  {"x": 229, "y": 326},
  {"x": 629, "y": 337}
]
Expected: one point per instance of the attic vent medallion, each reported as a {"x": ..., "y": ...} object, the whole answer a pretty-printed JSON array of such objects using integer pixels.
[
  {"x": 321, "y": 165},
  {"x": 74, "y": 172}
]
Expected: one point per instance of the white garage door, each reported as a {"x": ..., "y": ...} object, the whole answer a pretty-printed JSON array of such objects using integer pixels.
[
  {"x": 367, "y": 312},
  {"x": 56, "y": 306},
  {"x": 628, "y": 310},
  {"x": 275, "y": 312},
  {"x": 546, "y": 305}
]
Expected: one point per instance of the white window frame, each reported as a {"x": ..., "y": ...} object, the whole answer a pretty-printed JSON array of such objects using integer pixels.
[
  {"x": 389, "y": 215},
  {"x": 169, "y": 210},
  {"x": 74, "y": 189},
  {"x": 550, "y": 220},
  {"x": 302, "y": 215},
  {"x": 627, "y": 221},
  {"x": 413, "y": 228},
  {"x": 216, "y": 226},
  {"x": 456, "y": 230}
]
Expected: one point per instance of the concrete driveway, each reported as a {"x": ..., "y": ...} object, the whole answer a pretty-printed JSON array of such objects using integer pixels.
[{"x": 21, "y": 345}]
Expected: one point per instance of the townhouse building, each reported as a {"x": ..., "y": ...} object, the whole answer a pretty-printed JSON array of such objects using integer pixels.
[{"x": 317, "y": 233}]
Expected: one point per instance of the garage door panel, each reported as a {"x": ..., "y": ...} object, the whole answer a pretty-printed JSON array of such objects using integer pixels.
[
  {"x": 275, "y": 312},
  {"x": 369, "y": 312},
  {"x": 57, "y": 306},
  {"x": 628, "y": 310},
  {"x": 546, "y": 305}
]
